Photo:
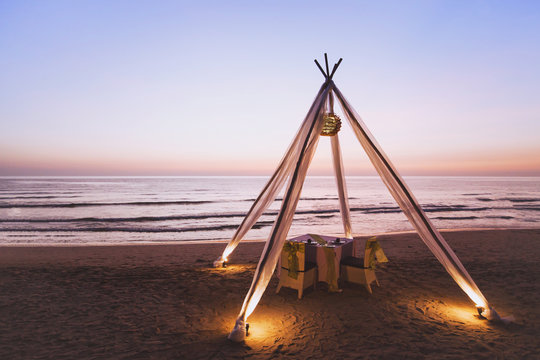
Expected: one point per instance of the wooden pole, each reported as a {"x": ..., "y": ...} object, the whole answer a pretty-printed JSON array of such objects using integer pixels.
[
  {"x": 335, "y": 67},
  {"x": 326, "y": 62},
  {"x": 320, "y": 68}
]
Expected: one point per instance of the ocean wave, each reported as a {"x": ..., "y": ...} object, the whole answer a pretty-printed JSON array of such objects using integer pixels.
[
  {"x": 258, "y": 225},
  {"x": 317, "y": 212},
  {"x": 503, "y": 217},
  {"x": 134, "y": 203},
  {"x": 127, "y": 219},
  {"x": 427, "y": 208},
  {"x": 527, "y": 207},
  {"x": 37, "y": 197},
  {"x": 521, "y": 200},
  {"x": 17, "y": 192},
  {"x": 376, "y": 210},
  {"x": 511, "y": 199},
  {"x": 455, "y": 208},
  {"x": 305, "y": 198}
]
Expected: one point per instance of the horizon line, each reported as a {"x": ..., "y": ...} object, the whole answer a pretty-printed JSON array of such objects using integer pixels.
[{"x": 238, "y": 176}]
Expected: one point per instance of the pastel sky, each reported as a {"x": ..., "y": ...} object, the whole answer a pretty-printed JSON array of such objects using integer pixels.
[{"x": 220, "y": 87}]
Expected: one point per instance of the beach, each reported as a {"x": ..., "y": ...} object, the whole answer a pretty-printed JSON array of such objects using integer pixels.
[{"x": 164, "y": 301}]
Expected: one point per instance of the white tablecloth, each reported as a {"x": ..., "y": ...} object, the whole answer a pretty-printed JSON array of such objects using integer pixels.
[{"x": 315, "y": 253}]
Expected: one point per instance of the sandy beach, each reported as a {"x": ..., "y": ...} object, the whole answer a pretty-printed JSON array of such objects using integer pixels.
[{"x": 167, "y": 302}]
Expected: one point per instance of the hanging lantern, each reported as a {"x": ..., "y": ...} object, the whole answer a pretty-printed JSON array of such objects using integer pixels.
[{"x": 332, "y": 124}]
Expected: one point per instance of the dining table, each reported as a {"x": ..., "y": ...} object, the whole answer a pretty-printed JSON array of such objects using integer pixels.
[{"x": 327, "y": 252}]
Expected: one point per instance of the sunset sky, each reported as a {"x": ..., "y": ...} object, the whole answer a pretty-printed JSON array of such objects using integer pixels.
[{"x": 220, "y": 87}]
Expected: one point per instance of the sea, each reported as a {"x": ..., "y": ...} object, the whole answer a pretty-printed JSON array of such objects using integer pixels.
[{"x": 116, "y": 210}]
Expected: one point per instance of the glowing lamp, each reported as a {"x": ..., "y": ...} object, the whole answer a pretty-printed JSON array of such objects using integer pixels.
[
  {"x": 480, "y": 310},
  {"x": 332, "y": 124},
  {"x": 219, "y": 262}
]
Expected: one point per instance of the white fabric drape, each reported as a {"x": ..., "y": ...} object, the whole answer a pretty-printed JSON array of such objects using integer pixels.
[
  {"x": 274, "y": 244},
  {"x": 340, "y": 175},
  {"x": 409, "y": 205},
  {"x": 273, "y": 186},
  {"x": 342, "y": 188}
]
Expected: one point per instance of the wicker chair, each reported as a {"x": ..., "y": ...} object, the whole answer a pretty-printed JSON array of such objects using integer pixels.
[
  {"x": 355, "y": 270},
  {"x": 299, "y": 276}
]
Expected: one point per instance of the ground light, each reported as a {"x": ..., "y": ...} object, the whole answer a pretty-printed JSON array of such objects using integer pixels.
[{"x": 221, "y": 262}]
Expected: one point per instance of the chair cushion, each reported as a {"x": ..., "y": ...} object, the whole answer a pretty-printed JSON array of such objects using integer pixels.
[
  {"x": 353, "y": 261},
  {"x": 308, "y": 266}
]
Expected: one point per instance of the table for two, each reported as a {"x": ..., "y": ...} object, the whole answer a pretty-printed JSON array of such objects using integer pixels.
[{"x": 324, "y": 251}]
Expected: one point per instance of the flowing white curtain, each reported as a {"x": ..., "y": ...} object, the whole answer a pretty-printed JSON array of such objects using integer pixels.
[
  {"x": 409, "y": 205},
  {"x": 342, "y": 188},
  {"x": 273, "y": 186},
  {"x": 340, "y": 175},
  {"x": 274, "y": 244}
]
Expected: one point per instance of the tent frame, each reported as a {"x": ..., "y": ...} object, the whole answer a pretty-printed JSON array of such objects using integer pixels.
[{"x": 293, "y": 167}]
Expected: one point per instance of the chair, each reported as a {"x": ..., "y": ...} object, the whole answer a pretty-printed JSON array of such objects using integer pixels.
[
  {"x": 355, "y": 270},
  {"x": 295, "y": 272}
]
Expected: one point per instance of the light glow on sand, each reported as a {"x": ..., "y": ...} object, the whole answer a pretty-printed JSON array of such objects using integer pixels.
[
  {"x": 266, "y": 326},
  {"x": 465, "y": 315}
]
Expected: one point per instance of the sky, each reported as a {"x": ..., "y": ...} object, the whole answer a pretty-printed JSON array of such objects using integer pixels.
[{"x": 99, "y": 88}]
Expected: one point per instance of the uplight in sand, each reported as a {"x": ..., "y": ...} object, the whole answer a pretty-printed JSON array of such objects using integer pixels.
[
  {"x": 221, "y": 262},
  {"x": 463, "y": 314}
]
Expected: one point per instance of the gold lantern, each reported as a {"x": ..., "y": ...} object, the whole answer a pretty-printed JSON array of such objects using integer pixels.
[{"x": 332, "y": 124}]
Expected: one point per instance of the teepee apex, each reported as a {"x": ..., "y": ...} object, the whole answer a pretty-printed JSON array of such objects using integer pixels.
[{"x": 327, "y": 74}]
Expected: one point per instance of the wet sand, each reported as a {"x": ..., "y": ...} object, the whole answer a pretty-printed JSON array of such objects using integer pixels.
[{"x": 167, "y": 302}]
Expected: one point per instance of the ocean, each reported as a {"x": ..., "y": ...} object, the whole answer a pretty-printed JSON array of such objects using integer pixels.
[{"x": 111, "y": 210}]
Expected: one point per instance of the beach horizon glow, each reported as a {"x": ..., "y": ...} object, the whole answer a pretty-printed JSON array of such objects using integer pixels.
[{"x": 220, "y": 89}]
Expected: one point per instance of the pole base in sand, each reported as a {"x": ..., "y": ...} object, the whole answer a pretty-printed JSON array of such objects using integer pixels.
[
  {"x": 218, "y": 263},
  {"x": 238, "y": 334},
  {"x": 491, "y": 315}
]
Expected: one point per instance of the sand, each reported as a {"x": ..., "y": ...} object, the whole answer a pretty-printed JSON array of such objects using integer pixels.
[{"x": 166, "y": 302}]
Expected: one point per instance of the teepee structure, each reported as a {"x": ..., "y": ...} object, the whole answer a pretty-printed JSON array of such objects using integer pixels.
[{"x": 322, "y": 121}]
